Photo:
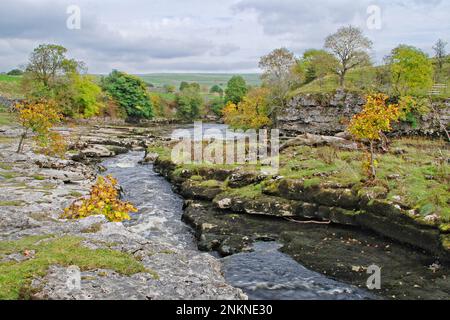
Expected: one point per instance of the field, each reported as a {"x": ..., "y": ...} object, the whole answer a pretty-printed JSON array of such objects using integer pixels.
[
  {"x": 10, "y": 86},
  {"x": 204, "y": 79}
]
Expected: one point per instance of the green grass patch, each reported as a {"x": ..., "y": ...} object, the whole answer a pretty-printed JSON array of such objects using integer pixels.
[
  {"x": 15, "y": 277},
  {"x": 5, "y": 166},
  {"x": 75, "y": 194},
  {"x": 250, "y": 191},
  {"x": 211, "y": 184},
  {"x": 12, "y": 203},
  {"x": 9, "y": 175},
  {"x": 6, "y": 118}
]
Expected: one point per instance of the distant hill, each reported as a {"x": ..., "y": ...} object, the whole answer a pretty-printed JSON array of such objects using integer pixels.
[{"x": 204, "y": 79}]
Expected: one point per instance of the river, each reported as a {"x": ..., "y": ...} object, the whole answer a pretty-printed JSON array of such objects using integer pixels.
[{"x": 265, "y": 273}]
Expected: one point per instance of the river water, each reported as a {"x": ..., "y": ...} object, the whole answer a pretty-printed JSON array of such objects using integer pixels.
[{"x": 265, "y": 273}]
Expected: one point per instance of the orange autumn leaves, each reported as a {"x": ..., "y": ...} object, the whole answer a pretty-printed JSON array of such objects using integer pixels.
[{"x": 102, "y": 200}]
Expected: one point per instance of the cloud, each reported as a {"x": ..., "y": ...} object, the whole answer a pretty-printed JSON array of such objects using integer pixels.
[{"x": 197, "y": 35}]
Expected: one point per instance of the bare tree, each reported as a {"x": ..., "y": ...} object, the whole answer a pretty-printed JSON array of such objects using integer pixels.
[
  {"x": 350, "y": 47},
  {"x": 441, "y": 54},
  {"x": 277, "y": 75}
]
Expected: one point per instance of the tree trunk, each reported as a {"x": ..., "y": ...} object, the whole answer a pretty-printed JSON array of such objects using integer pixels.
[
  {"x": 372, "y": 160},
  {"x": 22, "y": 139},
  {"x": 342, "y": 80}
]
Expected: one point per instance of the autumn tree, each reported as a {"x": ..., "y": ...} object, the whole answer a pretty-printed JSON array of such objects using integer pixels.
[
  {"x": 251, "y": 113},
  {"x": 278, "y": 75},
  {"x": 350, "y": 47},
  {"x": 375, "y": 118},
  {"x": 440, "y": 54},
  {"x": 411, "y": 70},
  {"x": 39, "y": 118},
  {"x": 236, "y": 90}
]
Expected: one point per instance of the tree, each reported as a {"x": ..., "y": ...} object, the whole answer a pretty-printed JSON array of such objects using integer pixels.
[
  {"x": 87, "y": 94},
  {"x": 216, "y": 105},
  {"x": 184, "y": 85},
  {"x": 251, "y": 113},
  {"x": 15, "y": 72},
  {"x": 374, "y": 119},
  {"x": 189, "y": 103},
  {"x": 216, "y": 89},
  {"x": 236, "y": 90},
  {"x": 39, "y": 118},
  {"x": 317, "y": 64},
  {"x": 130, "y": 92},
  {"x": 411, "y": 70},
  {"x": 170, "y": 88},
  {"x": 48, "y": 61},
  {"x": 440, "y": 53},
  {"x": 278, "y": 75},
  {"x": 350, "y": 47}
]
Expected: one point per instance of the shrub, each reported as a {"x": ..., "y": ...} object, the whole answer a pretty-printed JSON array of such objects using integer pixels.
[
  {"x": 103, "y": 199},
  {"x": 375, "y": 118},
  {"x": 38, "y": 117}
]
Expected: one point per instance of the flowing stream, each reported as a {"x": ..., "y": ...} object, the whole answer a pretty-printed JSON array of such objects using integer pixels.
[{"x": 265, "y": 273}]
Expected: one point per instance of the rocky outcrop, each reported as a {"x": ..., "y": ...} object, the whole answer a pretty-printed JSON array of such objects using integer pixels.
[
  {"x": 293, "y": 199},
  {"x": 35, "y": 191},
  {"x": 328, "y": 114}
]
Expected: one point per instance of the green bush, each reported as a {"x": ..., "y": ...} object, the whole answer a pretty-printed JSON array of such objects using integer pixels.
[{"x": 130, "y": 93}]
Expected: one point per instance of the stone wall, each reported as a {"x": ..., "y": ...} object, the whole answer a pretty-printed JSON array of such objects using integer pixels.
[{"x": 329, "y": 114}]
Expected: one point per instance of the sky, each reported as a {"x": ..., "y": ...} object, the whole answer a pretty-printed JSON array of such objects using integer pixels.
[{"x": 146, "y": 36}]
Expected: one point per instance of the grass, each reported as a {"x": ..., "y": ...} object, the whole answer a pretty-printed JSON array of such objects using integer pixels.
[
  {"x": 9, "y": 175},
  {"x": 249, "y": 192},
  {"x": 14, "y": 203},
  {"x": 417, "y": 178},
  {"x": 15, "y": 277},
  {"x": 5, "y": 166},
  {"x": 10, "y": 79},
  {"x": 6, "y": 117},
  {"x": 10, "y": 86}
]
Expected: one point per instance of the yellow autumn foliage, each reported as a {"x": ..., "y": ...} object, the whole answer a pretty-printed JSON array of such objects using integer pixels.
[
  {"x": 375, "y": 118},
  {"x": 102, "y": 200},
  {"x": 39, "y": 118},
  {"x": 251, "y": 113}
]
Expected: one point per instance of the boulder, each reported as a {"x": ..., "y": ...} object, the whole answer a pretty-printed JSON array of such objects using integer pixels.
[{"x": 97, "y": 151}]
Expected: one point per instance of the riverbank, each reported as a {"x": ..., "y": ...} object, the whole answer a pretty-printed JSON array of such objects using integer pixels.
[
  {"x": 325, "y": 217},
  {"x": 116, "y": 262}
]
